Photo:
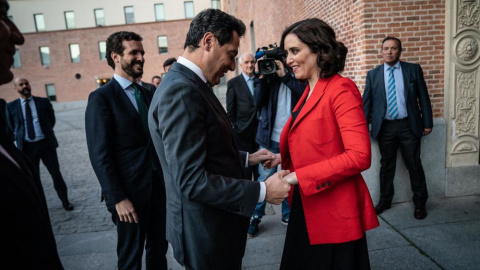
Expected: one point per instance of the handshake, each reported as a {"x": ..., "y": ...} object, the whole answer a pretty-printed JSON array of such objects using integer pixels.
[{"x": 277, "y": 185}]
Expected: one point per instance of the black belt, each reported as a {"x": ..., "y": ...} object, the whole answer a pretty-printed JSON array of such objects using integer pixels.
[{"x": 396, "y": 120}]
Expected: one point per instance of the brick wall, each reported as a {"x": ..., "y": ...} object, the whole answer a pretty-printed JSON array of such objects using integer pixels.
[
  {"x": 361, "y": 26},
  {"x": 62, "y": 72}
]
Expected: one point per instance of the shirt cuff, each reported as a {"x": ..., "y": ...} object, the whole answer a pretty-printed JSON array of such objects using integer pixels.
[
  {"x": 246, "y": 160},
  {"x": 263, "y": 192}
]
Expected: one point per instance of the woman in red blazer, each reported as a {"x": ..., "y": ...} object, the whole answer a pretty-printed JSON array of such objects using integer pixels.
[{"x": 325, "y": 144}]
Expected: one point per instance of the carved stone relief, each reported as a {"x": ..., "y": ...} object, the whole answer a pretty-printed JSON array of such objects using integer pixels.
[
  {"x": 466, "y": 121},
  {"x": 468, "y": 14}
]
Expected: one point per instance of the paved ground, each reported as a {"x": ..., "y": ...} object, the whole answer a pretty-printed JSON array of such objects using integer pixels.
[{"x": 449, "y": 238}]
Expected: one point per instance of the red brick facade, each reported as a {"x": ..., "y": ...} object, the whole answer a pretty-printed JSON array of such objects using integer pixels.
[
  {"x": 361, "y": 26},
  {"x": 62, "y": 72}
]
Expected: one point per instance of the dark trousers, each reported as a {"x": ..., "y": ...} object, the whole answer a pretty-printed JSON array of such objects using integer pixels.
[
  {"x": 392, "y": 135},
  {"x": 43, "y": 150},
  {"x": 149, "y": 233}
]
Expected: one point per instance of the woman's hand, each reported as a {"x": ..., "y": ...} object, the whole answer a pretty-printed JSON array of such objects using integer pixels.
[{"x": 291, "y": 178}]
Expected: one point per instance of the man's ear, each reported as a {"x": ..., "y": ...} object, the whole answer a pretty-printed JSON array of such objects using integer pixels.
[
  {"x": 116, "y": 57},
  {"x": 208, "y": 40}
]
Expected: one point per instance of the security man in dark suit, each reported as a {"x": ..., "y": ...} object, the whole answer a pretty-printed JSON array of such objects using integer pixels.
[
  {"x": 32, "y": 120},
  {"x": 123, "y": 156},
  {"x": 396, "y": 99},
  {"x": 242, "y": 111}
]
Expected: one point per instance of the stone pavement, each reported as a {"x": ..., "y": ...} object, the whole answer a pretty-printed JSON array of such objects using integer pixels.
[{"x": 449, "y": 238}]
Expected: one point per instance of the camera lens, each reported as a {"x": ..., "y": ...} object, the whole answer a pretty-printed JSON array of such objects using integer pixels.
[{"x": 267, "y": 66}]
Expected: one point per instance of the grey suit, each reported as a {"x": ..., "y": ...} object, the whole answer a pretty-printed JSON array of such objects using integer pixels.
[
  {"x": 404, "y": 133},
  {"x": 208, "y": 204}
]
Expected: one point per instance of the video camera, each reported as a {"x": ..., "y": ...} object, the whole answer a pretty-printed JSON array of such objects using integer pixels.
[{"x": 267, "y": 65}]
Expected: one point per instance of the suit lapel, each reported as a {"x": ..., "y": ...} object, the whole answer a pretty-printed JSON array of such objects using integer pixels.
[
  {"x": 312, "y": 101},
  {"x": 380, "y": 80},
  {"x": 126, "y": 105},
  {"x": 245, "y": 87},
  {"x": 406, "y": 79}
]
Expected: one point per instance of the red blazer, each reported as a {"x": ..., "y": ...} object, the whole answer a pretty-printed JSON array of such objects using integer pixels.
[{"x": 328, "y": 147}]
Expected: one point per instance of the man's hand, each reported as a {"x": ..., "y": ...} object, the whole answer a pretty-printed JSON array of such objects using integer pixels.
[
  {"x": 260, "y": 156},
  {"x": 272, "y": 162},
  {"x": 277, "y": 187},
  {"x": 280, "y": 68},
  {"x": 126, "y": 212},
  {"x": 427, "y": 131}
]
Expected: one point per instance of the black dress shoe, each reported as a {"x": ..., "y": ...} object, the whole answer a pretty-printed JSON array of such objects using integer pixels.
[
  {"x": 420, "y": 212},
  {"x": 382, "y": 206},
  {"x": 68, "y": 206}
]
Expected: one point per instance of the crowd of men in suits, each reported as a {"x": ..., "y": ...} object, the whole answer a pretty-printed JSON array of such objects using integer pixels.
[{"x": 144, "y": 144}]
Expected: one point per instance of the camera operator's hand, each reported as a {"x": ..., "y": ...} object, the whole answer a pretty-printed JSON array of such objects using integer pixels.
[
  {"x": 256, "y": 68},
  {"x": 280, "y": 68}
]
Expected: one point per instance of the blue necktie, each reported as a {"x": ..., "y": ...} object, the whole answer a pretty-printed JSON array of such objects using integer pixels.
[
  {"x": 29, "y": 118},
  {"x": 250, "y": 82},
  {"x": 392, "y": 95}
]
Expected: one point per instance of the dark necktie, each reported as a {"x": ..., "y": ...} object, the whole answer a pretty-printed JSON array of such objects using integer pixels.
[
  {"x": 142, "y": 107},
  {"x": 29, "y": 118}
]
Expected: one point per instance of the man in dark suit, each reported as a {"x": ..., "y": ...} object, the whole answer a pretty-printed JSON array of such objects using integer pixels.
[
  {"x": 32, "y": 120},
  {"x": 242, "y": 111},
  {"x": 124, "y": 159},
  {"x": 209, "y": 200},
  {"x": 396, "y": 98},
  {"x": 26, "y": 232}
]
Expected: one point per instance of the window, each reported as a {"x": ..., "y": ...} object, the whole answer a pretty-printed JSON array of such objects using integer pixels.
[
  {"x": 39, "y": 22},
  {"x": 70, "y": 19},
  {"x": 99, "y": 17},
  {"x": 189, "y": 12},
  {"x": 102, "y": 48},
  {"x": 216, "y": 4},
  {"x": 162, "y": 44},
  {"x": 16, "y": 59},
  {"x": 45, "y": 56},
  {"x": 75, "y": 53},
  {"x": 159, "y": 12},
  {"x": 129, "y": 16},
  {"x": 51, "y": 93}
]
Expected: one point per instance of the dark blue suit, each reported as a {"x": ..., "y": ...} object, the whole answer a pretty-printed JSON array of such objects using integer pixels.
[
  {"x": 405, "y": 133},
  {"x": 45, "y": 149},
  {"x": 122, "y": 156}
]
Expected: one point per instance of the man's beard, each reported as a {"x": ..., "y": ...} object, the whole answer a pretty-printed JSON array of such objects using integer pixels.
[
  {"x": 25, "y": 91},
  {"x": 128, "y": 68}
]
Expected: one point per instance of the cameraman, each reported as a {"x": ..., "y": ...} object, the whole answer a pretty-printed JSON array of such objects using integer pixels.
[{"x": 275, "y": 96}]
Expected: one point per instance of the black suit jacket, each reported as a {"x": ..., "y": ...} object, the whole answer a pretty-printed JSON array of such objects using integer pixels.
[
  {"x": 208, "y": 203},
  {"x": 149, "y": 87},
  {"x": 120, "y": 151},
  {"x": 46, "y": 117},
  {"x": 242, "y": 113},
  {"x": 25, "y": 231},
  {"x": 4, "y": 127},
  {"x": 417, "y": 101}
]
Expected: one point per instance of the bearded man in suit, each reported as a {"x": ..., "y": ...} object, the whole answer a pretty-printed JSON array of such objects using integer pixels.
[
  {"x": 397, "y": 102},
  {"x": 123, "y": 157}
]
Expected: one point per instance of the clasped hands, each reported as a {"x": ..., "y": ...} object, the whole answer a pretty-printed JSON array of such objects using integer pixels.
[{"x": 277, "y": 185}]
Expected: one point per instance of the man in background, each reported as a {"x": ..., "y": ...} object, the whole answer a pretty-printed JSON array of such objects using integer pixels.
[
  {"x": 242, "y": 111},
  {"x": 168, "y": 63},
  {"x": 156, "y": 80},
  {"x": 396, "y": 99},
  {"x": 32, "y": 120}
]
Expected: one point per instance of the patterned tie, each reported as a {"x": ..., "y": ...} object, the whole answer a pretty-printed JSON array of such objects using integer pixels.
[
  {"x": 142, "y": 107},
  {"x": 29, "y": 118},
  {"x": 392, "y": 95}
]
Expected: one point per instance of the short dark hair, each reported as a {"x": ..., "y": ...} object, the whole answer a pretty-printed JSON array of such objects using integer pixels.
[
  {"x": 215, "y": 21},
  {"x": 156, "y": 77},
  {"x": 114, "y": 44},
  {"x": 399, "y": 42},
  {"x": 169, "y": 62},
  {"x": 321, "y": 39}
]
